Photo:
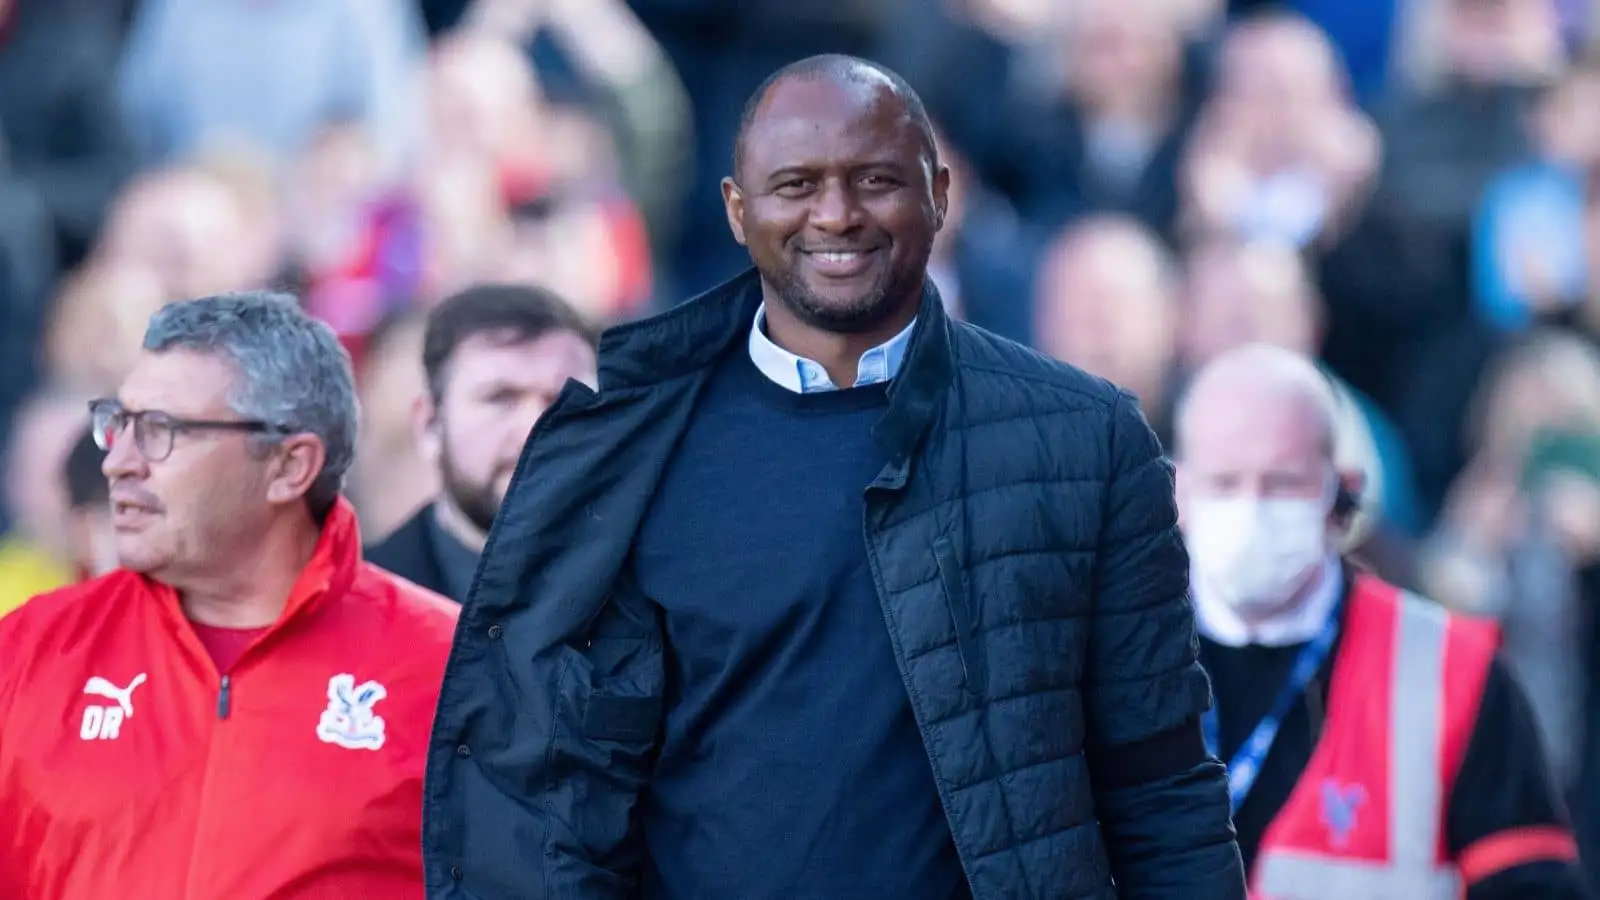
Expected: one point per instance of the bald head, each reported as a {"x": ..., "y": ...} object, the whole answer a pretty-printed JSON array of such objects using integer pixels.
[
  {"x": 1256, "y": 436},
  {"x": 846, "y": 72},
  {"x": 1254, "y": 392}
]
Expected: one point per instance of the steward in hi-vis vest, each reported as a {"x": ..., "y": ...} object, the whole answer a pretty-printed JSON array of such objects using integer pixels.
[
  {"x": 1370, "y": 813},
  {"x": 1376, "y": 747}
]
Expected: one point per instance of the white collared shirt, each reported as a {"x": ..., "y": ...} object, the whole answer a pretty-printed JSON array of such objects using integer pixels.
[
  {"x": 805, "y": 376},
  {"x": 1220, "y": 623}
]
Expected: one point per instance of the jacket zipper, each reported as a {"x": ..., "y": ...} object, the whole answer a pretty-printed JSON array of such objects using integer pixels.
[
  {"x": 954, "y": 586},
  {"x": 216, "y": 766}
]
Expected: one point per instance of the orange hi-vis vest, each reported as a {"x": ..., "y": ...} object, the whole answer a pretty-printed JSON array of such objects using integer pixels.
[{"x": 1366, "y": 818}]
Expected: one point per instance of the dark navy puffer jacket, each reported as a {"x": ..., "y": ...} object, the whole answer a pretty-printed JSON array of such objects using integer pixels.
[{"x": 1024, "y": 543}]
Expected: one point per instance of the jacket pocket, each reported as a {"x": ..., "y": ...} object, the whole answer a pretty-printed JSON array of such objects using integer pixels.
[
  {"x": 620, "y": 669},
  {"x": 609, "y": 717},
  {"x": 953, "y": 581}
]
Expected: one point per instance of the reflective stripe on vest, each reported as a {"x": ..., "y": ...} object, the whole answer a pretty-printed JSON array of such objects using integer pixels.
[{"x": 1416, "y": 735}]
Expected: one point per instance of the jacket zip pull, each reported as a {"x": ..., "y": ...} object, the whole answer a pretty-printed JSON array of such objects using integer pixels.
[
  {"x": 223, "y": 699},
  {"x": 956, "y": 598}
]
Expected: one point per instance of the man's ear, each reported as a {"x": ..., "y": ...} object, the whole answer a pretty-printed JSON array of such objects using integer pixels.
[
  {"x": 426, "y": 429},
  {"x": 941, "y": 196},
  {"x": 1347, "y": 500},
  {"x": 733, "y": 205},
  {"x": 295, "y": 466}
]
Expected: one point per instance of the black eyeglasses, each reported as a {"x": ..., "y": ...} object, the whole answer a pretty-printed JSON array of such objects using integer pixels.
[{"x": 154, "y": 431}]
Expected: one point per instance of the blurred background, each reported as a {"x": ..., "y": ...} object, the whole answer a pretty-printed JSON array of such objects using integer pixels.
[{"x": 1407, "y": 189}]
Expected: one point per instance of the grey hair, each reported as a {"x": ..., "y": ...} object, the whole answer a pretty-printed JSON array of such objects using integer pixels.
[{"x": 290, "y": 371}]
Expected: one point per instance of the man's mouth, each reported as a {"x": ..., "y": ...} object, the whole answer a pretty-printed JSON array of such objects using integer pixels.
[
  {"x": 839, "y": 263},
  {"x": 127, "y": 506}
]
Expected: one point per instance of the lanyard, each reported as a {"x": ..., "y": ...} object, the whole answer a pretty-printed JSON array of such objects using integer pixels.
[{"x": 1246, "y": 762}]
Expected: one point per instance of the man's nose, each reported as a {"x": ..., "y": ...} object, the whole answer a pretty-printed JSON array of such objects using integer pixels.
[
  {"x": 835, "y": 208},
  {"x": 123, "y": 459}
]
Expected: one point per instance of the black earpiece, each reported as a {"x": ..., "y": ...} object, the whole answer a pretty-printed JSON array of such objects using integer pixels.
[{"x": 1346, "y": 503}]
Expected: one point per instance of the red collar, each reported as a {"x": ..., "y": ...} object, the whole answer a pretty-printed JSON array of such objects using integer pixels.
[{"x": 333, "y": 565}]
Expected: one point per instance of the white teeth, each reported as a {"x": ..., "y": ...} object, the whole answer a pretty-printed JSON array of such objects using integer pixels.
[{"x": 838, "y": 257}]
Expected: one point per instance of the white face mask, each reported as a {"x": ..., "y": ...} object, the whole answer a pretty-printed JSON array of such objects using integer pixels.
[{"x": 1255, "y": 553}]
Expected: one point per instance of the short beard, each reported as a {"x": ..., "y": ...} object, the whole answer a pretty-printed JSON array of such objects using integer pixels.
[
  {"x": 859, "y": 316},
  {"x": 477, "y": 502}
]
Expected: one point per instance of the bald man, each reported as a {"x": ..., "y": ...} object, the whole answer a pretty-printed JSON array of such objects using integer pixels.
[
  {"x": 826, "y": 596},
  {"x": 1376, "y": 747}
]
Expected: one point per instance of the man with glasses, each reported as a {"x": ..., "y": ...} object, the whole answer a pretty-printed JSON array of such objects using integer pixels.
[{"x": 242, "y": 708}]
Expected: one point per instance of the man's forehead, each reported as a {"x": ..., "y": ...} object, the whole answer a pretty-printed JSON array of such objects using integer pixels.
[
  {"x": 508, "y": 359},
  {"x": 800, "y": 112},
  {"x": 856, "y": 88},
  {"x": 559, "y": 343},
  {"x": 1242, "y": 422},
  {"x": 180, "y": 382}
]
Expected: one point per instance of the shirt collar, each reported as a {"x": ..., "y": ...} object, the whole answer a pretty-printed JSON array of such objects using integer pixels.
[
  {"x": 1220, "y": 623},
  {"x": 805, "y": 376}
]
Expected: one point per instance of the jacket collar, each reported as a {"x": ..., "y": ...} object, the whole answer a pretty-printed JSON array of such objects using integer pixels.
[
  {"x": 332, "y": 569},
  {"x": 327, "y": 577},
  {"x": 692, "y": 336}
]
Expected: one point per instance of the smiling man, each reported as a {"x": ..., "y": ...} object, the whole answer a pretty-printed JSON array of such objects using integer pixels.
[{"x": 822, "y": 594}]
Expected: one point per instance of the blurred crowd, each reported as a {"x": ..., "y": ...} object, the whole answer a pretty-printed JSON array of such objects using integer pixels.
[{"x": 1408, "y": 190}]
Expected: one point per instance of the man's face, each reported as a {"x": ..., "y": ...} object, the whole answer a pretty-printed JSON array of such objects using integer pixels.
[
  {"x": 1279, "y": 86},
  {"x": 187, "y": 228},
  {"x": 1124, "y": 53},
  {"x": 1236, "y": 296},
  {"x": 190, "y": 512},
  {"x": 1102, "y": 305},
  {"x": 1252, "y": 441},
  {"x": 1275, "y": 67},
  {"x": 837, "y": 202},
  {"x": 494, "y": 391}
]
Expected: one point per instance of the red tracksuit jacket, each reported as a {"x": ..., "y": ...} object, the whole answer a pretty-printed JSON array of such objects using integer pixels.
[{"x": 130, "y": 769}]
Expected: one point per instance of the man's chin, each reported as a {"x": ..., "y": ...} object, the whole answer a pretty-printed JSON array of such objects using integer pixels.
[
  {"x": 838, "y": 309},
  {"x": 140, "y": 559}
]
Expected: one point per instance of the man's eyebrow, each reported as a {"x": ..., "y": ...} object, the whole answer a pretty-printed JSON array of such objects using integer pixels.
[
  {"x": 802, "y": 169},
  {"x": 793, "y": 170},
  {"x": 888, "y": 164}
]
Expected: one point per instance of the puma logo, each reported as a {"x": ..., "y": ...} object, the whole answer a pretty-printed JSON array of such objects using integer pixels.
[{"x": 99, "y": 687}]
